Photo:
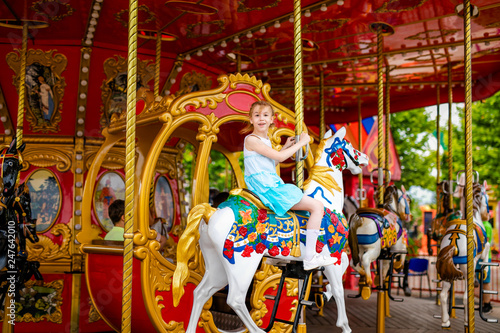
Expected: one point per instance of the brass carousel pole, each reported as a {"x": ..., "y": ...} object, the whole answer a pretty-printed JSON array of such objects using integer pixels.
[
  {"x": 380, "y": 185},
  {"x": 157, "y": 65},
  {"x": 129, "y": 168},
  {"x": 438, "y": 175},
  {"x": 321, "y": 105},
  {"x": 297, "y": 70},
  {"x": 22, "y": 88},
  {"x": 386, "y": 164},
  {"x": 360, "y": 140},
  {"x": 468, "y": 168},
  {"x": 299, "y": 110}
]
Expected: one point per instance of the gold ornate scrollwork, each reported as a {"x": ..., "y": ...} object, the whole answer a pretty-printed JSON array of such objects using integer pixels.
[
  {"x": 192, "y": 82},
  {"x": 93, "y": 313},
  {"x": 166, "y": 164},
  {"x": 46, "y": 308},
  {"x": 44, "y": 87},
  {"x": 114, "y": 88},
  {"x": 46, "y": 9},
  {"x": 46, "y": 250},
  {"x": 268, "y": 277},
  {"x": 43, "y": 156}
]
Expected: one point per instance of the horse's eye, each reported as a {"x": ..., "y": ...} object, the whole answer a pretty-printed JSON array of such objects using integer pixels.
[{"x": 10, "y": 163}]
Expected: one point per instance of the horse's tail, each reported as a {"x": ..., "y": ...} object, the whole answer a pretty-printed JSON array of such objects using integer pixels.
[
  {"x": 354, "y": 222},
  {"x": 186, "y": 248},
  {"x": 445, "y": 267}
]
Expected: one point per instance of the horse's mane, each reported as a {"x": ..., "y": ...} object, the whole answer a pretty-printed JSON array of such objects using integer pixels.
[{"x": 477, "y": 195}]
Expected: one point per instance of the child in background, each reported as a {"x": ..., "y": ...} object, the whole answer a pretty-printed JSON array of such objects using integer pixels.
[{"x": 262, "y": 179}]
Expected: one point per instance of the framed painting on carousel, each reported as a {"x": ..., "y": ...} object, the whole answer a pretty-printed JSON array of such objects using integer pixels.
[
  {"x": 45, "y": 194},
  {"x": 110, "y": 187},
  {"x": 164, "y": 202}
]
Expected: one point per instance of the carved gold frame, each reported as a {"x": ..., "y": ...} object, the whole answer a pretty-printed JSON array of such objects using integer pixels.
[
  {"x": 112, "y": 67},
  {"x": 57, "y": 63}
]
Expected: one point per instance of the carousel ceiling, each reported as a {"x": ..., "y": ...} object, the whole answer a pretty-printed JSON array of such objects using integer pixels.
[{"x": 422, "y": 39}]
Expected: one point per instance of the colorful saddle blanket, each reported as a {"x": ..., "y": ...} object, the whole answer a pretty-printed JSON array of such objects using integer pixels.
[
  {"x": 260, "y": 229},
  {"x": 388, "y": 236}
]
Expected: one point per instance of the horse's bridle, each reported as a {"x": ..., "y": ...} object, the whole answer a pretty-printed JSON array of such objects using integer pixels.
[{"x": 342, "y": 145}]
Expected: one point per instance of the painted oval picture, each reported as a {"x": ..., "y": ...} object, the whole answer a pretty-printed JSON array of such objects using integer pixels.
[
  {"x": 110, "y": 187},
  {"x": 45, "y": 193}
]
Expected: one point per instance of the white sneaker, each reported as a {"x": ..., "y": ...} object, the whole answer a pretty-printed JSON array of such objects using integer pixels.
[{"x": 317, "y": 261}]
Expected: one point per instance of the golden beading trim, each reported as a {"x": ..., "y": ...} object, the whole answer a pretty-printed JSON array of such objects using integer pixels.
[
  {"x": 112, "y": 67},
  {"x": 217, "y": 23},
  {"x": 57, "y": 63},
  {"x": 243, "y": 8},
  {"x": 44, "y": 156},
  {"x": 40, "y": 10},
  {"x": 151, "y": 16},
  {"x": 46, "y": 250}
]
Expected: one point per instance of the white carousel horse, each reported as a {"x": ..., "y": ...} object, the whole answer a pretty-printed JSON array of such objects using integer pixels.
[
  {"x": 231, "y": 259},
  {"x": 453, "y": 248},
  {"x": 375, "y": 229}
]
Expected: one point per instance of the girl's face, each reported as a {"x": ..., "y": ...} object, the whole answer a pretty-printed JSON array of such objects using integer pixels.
[{"x": 262, "y": 117}]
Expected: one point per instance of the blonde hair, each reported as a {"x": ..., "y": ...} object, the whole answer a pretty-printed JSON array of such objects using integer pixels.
[{"x": 249, "y": 127}]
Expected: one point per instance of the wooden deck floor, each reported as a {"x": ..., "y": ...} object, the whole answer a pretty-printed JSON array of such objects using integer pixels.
[{"x": 414, "y": 314}]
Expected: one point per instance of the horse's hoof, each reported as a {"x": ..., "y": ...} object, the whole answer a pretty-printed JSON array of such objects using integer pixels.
[
  {"x": 366, "y": 293},
  {"x": 446, "y": 326},
  {"x": 408, "y": 291}
]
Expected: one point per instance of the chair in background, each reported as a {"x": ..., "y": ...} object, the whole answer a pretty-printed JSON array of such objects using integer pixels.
[{"x": 419, "y": 267}]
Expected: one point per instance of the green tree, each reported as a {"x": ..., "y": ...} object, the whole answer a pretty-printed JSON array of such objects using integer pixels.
[
  {"x": 485, "y": 141},
  {"x": 412, "y": 131}
]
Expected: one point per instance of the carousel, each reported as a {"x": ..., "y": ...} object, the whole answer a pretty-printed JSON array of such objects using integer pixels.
[{"x": 143, "y": 101}]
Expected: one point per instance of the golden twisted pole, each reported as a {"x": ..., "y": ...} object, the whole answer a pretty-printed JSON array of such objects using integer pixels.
[
  {"x": 381, "y": 307},
  {"x": 468, "y": 167},
  {"x": 129, "y": 168},
  {"x": 438, "y": 133},
  {"x": 387, "y": 115},
  {"x": 450, "y": 135},
  {"x": 157, "y": 65},
  {"x": 297, "y": 70},
  {"x": 360, "y": 140},
  {"x": 321, "y": 105},
  {"x": 380, "y": 122},
  {"x": 22, "y": 88}
]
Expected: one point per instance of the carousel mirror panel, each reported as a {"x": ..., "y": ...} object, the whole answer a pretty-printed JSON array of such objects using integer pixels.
[
  {"x": 110, "y": 187},
  {"x": 45, "y": 193},
  {"x": 164, "y": 203}
]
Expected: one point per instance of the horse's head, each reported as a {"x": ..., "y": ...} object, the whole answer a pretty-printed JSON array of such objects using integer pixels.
[
  {"x": 11, "y": 164},
  {"x": 481, "y": 201},
  {"x": 397, "y": 201},
  {"x": 338, "y": 153}
]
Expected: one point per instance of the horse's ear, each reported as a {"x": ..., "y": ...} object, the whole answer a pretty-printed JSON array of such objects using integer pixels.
[
  {"x": 341, "y": 133},
  {"x": 328, "y": 134},
  {"x": 403, "y": 189},
  {"x": 485, "y": 185}
]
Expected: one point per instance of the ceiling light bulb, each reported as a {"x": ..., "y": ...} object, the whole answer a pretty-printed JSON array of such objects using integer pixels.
[
  {"x": 411, "y": 86},
  {"x": 453, "y": 48},
  {"x": 323, "y": 7},
  {"x": 307, "y": 13},
  {"x": 324, "y": 65},
  {"x": 179, "y": 69},
  {"x": 265, "y": 73},
  {"x": 211, "y": 48},
  {"x": 309, "y": 67},
  {"x": 291, "y": 19},
  {"x": 236, "y": 39},
  {"x": 188, "y": 57},
  {"x": 223, "y": 44},
  {"x": 172, "y": 81},
  {"x": 280, "y": 71},
  {"x": 487, "y": 43},
  {"x": 199, "y": 53},
  {"x": 277, "y": 24},
  {"x": 262, "y": 30},
  {"x": 249, "y": 34},
  {"x": 356, "y": 61},
  {"x": 340, "y": 63},
  {"x": 340, "y": 2}
]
